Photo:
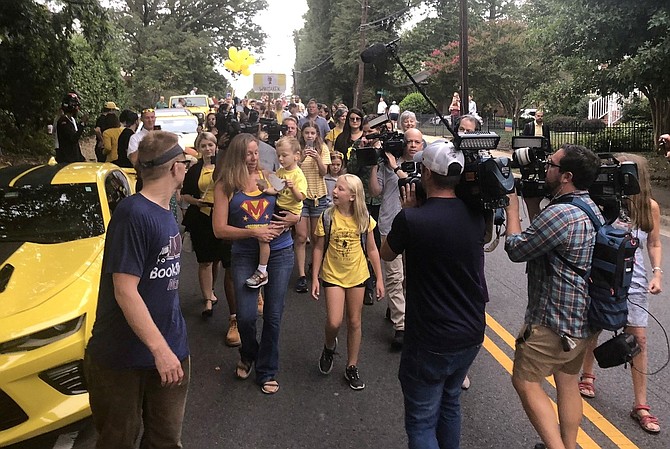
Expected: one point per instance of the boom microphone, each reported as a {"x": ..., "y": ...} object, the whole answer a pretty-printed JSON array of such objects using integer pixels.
[{"x": 373, "y": 52}]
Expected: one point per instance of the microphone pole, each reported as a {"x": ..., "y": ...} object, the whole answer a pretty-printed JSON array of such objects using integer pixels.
[{"x": 393, "y": 50}]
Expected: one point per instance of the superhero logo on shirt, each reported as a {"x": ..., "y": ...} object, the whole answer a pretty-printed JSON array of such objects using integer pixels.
[{"x": 255, "y": 208}]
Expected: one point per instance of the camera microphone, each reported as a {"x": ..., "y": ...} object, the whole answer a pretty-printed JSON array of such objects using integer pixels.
[{"x": 373, "y": 53}]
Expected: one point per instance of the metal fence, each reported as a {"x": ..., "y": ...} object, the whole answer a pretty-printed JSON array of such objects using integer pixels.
[{"x": 622, "y": 137}]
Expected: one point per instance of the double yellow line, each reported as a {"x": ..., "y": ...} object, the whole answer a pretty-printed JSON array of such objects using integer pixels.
[{"x": 598, "y": 420}]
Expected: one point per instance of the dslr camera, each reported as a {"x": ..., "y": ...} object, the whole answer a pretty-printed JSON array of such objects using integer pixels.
[
  {"x": 615, "y": 181},
  {"x": 529, "y": 156}
]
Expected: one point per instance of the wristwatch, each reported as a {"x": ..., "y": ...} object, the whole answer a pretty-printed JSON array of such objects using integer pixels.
[{"x": 395, "y": 170}]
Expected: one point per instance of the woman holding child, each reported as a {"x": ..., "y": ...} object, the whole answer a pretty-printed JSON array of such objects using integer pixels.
[{"x": 244, "y": 214}]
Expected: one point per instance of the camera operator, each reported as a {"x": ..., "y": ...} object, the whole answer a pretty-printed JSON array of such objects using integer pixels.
[
  {"x": 384, "y": 181},
  {"x": 446, "y": 297},
  {"x": 467, "y": 124},
  {"x": 290, "y": 127},
  {"x": 556, "y": 334},
  {"x": 232, "y": 126}
]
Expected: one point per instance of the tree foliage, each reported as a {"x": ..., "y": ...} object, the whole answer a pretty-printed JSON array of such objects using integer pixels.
[
  {"x": 38, "y": 62},
  {"x": 626, "y": 47},
  {"x": 171, "y": 46}
]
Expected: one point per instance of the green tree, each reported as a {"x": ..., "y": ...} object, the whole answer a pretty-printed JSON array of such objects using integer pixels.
[
  {"x": 171, "y": 46},
  {"x": 37, "y": 63},
  {"x": 625, "y": 47}
]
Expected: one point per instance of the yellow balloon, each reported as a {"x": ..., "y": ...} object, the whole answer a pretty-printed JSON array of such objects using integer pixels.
[
  {"x": 243, "y": 54},
  {"x": 232, "y": 53},
  {"x": 229, "y": 64},
  {"x": 250, "y": 60},
  {"x": 246, "y": 71}
]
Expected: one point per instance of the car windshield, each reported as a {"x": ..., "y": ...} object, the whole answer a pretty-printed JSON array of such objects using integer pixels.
[
  {"x": 50, "y": 214},
  {"x": 177, "y": 125},
  {"x": 196, "y": 101}
]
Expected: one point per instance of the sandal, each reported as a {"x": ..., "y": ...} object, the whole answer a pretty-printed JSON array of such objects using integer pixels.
[
  {"x": 208, "y": 312},
  {"x": 648, "y": 422},
  {"x": 587, "y": 389},
  {"x": 242, "y": 370},
  {"x": 270, "y": 387}
]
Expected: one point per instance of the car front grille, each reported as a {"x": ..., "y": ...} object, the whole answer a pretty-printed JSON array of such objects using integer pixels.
[
  {"x": 10, "y": 413},
  {"x": 67, "y": 379}
]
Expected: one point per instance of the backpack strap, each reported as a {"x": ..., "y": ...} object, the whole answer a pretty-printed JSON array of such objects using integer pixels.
[{"x": 569, "y": 199}]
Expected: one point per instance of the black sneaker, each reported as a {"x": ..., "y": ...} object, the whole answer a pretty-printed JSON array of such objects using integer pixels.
[
  {"x": 398, "y": 340},
  {"x": 301, "y": 285},
  {"x": 351, "y": 374},
  {"x": 326, "y": 360}
]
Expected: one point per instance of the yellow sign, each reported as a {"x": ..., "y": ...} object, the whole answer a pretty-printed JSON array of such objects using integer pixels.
[{"x": 270, "y": 82}]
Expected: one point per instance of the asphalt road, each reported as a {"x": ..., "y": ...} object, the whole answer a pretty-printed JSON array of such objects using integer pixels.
[{"x": 316, "y": 411}]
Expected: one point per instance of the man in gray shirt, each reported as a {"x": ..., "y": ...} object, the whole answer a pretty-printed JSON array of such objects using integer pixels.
[
  {"x": 313, "y": 116},
  {"x": 384, "y": 181}
]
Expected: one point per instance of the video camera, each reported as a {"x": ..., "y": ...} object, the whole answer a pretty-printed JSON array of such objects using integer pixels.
[
  {"x": 230, "y": 124},
  {"x": 615, "y": 180},
  {"x": 392, "y": 142},
  {"x": 273, "y": 129},
  {"x": 529, "y": 156}
]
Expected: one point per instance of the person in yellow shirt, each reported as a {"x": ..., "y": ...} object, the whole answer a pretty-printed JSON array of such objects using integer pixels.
[
  {"x": 289, "y": 198},
  {"x": 110, "y": 139},
  {"x": 345, "y": 270}
]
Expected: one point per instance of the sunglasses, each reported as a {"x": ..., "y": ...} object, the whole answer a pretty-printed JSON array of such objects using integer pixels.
[
  {"x": 148, "y": 110},
  {"x": 355, "y": 119},
  {"x": 186, "y": 162}
]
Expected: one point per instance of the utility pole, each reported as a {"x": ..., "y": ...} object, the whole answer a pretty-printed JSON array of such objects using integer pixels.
[
  {"x": 463, "y": 50},
  {"x": 358, "y": 92}
]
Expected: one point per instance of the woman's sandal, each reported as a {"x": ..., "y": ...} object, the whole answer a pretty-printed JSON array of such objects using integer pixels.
[
  {"x": 270, "y": 387},
  {"x": 242, "y": 370},
  {"x": 208, "y": 312},
  {"x": 587, "y": 389},
  {"x": 648, "y": 423}
]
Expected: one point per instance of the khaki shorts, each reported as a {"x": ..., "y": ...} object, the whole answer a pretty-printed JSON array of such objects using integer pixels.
[{"x": 541, "y": 354}]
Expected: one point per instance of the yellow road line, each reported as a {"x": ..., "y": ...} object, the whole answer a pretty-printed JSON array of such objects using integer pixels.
[{"x": 607, "y": 428}]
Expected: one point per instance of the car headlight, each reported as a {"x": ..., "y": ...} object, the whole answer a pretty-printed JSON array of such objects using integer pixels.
[{"x": 43, "y": 337}]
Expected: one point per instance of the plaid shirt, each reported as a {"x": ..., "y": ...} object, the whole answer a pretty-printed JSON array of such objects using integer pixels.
[{"x": 557, "y": 295}]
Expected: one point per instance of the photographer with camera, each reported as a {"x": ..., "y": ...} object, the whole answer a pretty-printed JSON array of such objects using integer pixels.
[
  {"x": 556, "y": 334},
  {"x": 446, "y": 297},
  {"x": 384, "y": 181}
]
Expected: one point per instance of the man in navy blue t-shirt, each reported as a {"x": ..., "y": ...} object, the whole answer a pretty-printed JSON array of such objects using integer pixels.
[
  {"x": 446, "y": 294},
  {"x": 137, "y": 360}
]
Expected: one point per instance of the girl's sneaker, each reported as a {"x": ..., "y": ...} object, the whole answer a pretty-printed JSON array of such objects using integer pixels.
[
  {"x": 326, "y": 359},
  {"x": 257, "y": 279},
  {"x": 351, "y": 374}
]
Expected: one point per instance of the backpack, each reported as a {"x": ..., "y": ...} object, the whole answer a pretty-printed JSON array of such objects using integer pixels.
[
  {"x": 327, "y": 218},
  {"x": 611, "y": 271}
]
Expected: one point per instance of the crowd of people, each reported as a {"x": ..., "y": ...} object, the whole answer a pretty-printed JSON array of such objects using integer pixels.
[{"x": 253, "y": 204}]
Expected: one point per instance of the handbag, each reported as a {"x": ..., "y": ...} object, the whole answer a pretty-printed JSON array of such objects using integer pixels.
[{"x": 616, "y": 351}]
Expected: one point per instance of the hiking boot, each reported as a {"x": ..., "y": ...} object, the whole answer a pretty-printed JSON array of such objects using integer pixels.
[
  {"x": 301, "y": 285},
  {"x": 257, "y": 280},
  {"x": 326, "y": 360},
  {"x": 233, "y": 335},
  {"x": 398, "y": 340},
  {"x": 351, "y": 374}
]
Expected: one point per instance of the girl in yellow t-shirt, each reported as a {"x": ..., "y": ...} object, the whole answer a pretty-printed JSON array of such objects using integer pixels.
[{"x": 345, "y": 271}]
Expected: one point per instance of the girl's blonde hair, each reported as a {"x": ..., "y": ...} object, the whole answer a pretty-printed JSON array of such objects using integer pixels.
[
  {"x": 204, "y": 136},
  {"x": 336, "y": 155},
  {"x": 232, "y": 172},
  {"x": 639, "y": 205},
  {"x": 360, "y": 211}
]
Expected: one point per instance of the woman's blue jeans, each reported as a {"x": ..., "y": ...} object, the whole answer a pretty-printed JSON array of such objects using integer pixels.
[
  {"x": 431, "y": 386},
  {"x": 265, "y": 354}
]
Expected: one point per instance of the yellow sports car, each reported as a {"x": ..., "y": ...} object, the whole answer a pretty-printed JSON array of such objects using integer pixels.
[{"x": 53, "y": 220}]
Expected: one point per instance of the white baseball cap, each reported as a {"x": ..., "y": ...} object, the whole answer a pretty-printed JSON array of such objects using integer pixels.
[{"x": 439, "y": 156}]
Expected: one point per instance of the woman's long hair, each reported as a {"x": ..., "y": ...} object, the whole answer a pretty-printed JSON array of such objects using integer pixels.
[
  {"x": 232, "y": 171},
  {"x": 639, "y": 205},
  {"x": 318, "y": 142},
  {"x": 360, "y": 210}
]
